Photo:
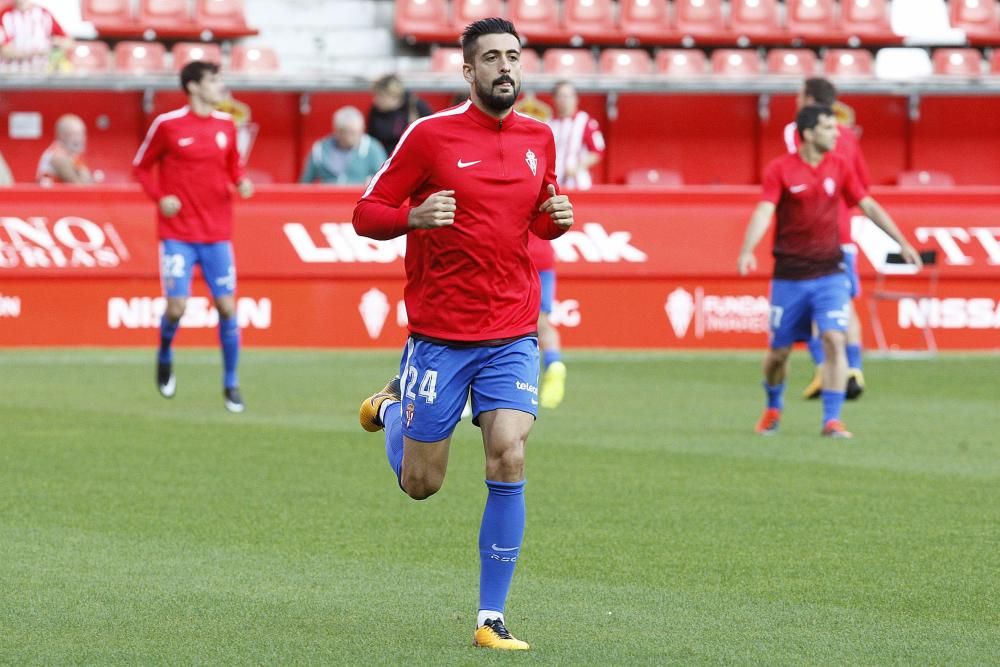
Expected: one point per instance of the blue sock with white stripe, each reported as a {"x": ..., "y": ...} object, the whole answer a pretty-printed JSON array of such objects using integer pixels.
[
  {"x": 500, "y": 537},
  {"x": 229, "y": 337},
  {"x": 168, "y": 329},
  {"x": 392, "y": 418}
]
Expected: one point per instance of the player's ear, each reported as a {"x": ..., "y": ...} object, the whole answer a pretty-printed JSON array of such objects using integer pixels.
[{"x": 467, "y": 73}]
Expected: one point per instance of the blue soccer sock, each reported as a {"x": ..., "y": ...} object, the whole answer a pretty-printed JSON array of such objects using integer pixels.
[
  {"x": 854, "y": 356},
  {"x": 550, "y": 357},
  {"x": 816, "y": 350},
  {"x": 833, "y": 401},
  {"x": 500, "y": 538},
  {"x": 229, "y": 337},
  {"x": 168, "y": 329},
  {"x": 775, "y": 395},
  {"x": 392, "y": 418}
]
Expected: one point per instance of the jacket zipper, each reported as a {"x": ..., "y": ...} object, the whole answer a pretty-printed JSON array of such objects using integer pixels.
[{"x": 503, "y": 167}]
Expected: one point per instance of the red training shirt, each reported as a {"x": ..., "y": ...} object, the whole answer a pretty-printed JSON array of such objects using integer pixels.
[
  {"x": 808, "y": 201},
  {"x": 471, "y": 281},
  {"x": 198, "y": 161},
  {"x": 848, "y": 147}
]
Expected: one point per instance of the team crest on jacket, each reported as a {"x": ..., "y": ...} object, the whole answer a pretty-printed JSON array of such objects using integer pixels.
[
  {"x": 830, "y": 186},
  {"x": 221, "y": 140},
  {"x": 532, "y": 161}
]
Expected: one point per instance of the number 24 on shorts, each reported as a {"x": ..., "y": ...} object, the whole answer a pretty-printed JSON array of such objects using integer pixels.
[{"x": 428, "y": 385}]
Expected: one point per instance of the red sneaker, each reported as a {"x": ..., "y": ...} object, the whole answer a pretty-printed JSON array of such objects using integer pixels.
[
  {"x": 768, "y": 424},
  {"x": 835, "y": 429}
]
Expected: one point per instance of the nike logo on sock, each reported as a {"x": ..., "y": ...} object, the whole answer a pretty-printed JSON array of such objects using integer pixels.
[{"x": 496, "y": 548}]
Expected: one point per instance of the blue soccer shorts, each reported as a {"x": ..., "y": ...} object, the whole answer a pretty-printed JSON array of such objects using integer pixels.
[
  {"x": 177, "y": 262},
  {"x": 850, "y": 267},
  {"x": 435, "y": 381},
  {"x": 547, "y": 279},
  {"x": 796, "y": 304}
]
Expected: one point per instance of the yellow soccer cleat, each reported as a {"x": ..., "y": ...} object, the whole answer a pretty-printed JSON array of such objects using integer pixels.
[
  {"x": 368, "y": 415},
  {"x": 553, "y": 385},
  {"x": 493, "y": 634},
  {"x": 815, "y": 387}
]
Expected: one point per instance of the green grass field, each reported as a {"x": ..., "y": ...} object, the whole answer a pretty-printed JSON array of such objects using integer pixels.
[{"x": 661, "y": 530}]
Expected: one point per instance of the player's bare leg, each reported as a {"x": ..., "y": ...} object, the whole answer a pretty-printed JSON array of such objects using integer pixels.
[
  {"x": 834, "y": 381},
  {"x": 505, "y": 433},
  {"x": 775, "y": 372},
  {"x": 424, "y": 467},
  {"x": 166, "y": 381}
]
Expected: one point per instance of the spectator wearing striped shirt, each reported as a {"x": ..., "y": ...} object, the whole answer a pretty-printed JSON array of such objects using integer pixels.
[
  {"x": 30, "y": 38},
  {"x": 579, "y": 142}
]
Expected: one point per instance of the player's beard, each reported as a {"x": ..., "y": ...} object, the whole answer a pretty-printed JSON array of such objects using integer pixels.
[{"x": 498, "y": 101}]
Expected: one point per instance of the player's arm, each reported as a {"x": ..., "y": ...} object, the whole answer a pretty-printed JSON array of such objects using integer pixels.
[
  {"x": 146, "y": 158},
  {"x": 555, "y": 211},
  {"x": 594, "y": 141},
  {"x": 234, "y": 164},
  {"x": 384, "y": 212},
  {"x": 66, "y": 170},
  {"x": 760, "y": 220},
  {"x": 880, "y": 217}
]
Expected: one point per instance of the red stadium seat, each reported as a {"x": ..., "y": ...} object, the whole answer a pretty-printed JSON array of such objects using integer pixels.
[
  {"x": 755, "y": 18},
  {"x": 140, "y": 57},
  {"x": 567, "y": 62},
  {"x": 811, "y": 17},
  {"x": 644, "y": 21},
  {"x": 920, "y": 178},
  {"x": 866, "y": 19},
  {"x": 800, "y": 62},
  {"x": 253, "y": 59},
  {"x": 625, "y": 62},
  {"x": 681, "y": 62},
  {"x": 530, "y": 62},
  {"x": 465, "y": 12},
  {"x": 654, "y": 177},
  {"x": 166, "y": 17},
  {"x": 590, "y": 21},
  {"x": 422, "y": 20},
  {"x": 958, "y": 62},
  {"x": 185, "y": 52},
  {"x": 87, "y": 57},
  {"x": 537, "y": 20},
  {"x": 978, "y": 18},
  {"x": 699, "y": 17},
  {"x": 109, "y": 16},
  {"x": 447, "y": 60},
  {"x": 224, "y": 18},
  {"x": 848, "y": 62},
  {"x": 736, "y": 62}
]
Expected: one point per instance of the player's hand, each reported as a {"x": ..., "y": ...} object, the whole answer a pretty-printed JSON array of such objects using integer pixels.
[
  {"x": 245, "y": 188},
  {"x": 170, "y": 206},
  {"x": 746, "y": 263},
  {"x": 438, "y": 210},
  {"x": 559, "y": 208},
  {"x": 911, "y": 255}
]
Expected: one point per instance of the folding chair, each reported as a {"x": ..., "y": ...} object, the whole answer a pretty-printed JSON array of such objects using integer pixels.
[{"x": 896, "y": 280}]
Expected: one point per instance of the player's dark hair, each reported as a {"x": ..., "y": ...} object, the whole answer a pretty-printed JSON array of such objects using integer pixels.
[
  {"x": 820, "y": 90},
  {"x": 490, "y": 26},
  {"x": 808, "y": 117},
  {"x": 194, "y": 71}
]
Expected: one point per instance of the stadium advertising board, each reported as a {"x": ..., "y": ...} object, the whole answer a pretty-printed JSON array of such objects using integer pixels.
[{"x": 639, "y": 269}]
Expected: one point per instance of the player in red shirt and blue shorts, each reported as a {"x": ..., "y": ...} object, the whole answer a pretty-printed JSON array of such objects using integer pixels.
[
  {"x": 468, "y": 186},
  {"x": 804, "y": 192},
  {"x": 195, "y": 148}
]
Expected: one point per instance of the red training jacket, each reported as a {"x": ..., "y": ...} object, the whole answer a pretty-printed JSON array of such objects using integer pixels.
[
  {"x": 473, "y": 280},
  {"x": 198, "y": 161}
]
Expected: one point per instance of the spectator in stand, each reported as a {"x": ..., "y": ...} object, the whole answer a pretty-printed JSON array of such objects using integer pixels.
[
  {"x": 31, "y": 40},
  {"x": 579, "y": 142},
  {"x": 348, "y": 156},
  {"x": 393, "y": 109},
  {"x": 62, "y": 161},
  {"x": 6, "y": 178}
]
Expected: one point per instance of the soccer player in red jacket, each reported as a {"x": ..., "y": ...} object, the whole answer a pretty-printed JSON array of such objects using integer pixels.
[
  {"x": 468, "y": 185},
  {"x": 195, "y": 149},
  {"x": 805, "y": 192}
]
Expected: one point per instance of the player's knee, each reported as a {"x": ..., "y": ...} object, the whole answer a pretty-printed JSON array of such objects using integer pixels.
[
  {"x": 421, "y": 486},
  {"x": 175, "y": 309},
  {"x": 226, "y": 309},
  {"x": 507, "y": 465}
]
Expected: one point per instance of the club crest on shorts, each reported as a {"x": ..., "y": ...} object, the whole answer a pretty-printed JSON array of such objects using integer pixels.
[
  {"x": 532, "y": 161},
  {"x": 409, "y": 414},
  {"x": 221, "y": 140},
  {"x": 830, "y": 186}
]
